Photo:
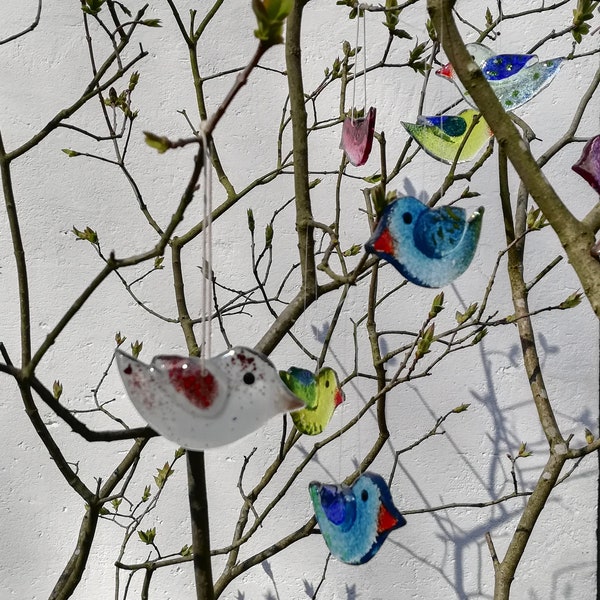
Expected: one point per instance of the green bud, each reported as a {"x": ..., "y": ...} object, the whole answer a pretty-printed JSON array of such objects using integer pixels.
[
  {"x": 479, "y": 336},
  {"x": 119, "y": 339},
  {"x": 571, "y": 301},
  {"x": 437, "y": 306},
  {"x": 353, "y": 250},
  {"x": 268, "y": 235},
  {"x": 163, "y": 474},
  {"x": 463, "y": 317},
  {"x": 159, "y": 143},
  {"x": 146, "y": 495},
  {"x": 461, "y": 408},
  {"x": 147, "y": 536},
  {"x": 57, "y": 389},
  {"x": 523, "y": 450},
  {"x": 589, "y": 436},
  {"x": 70, "y": 153},
  {"x": 425, "y": 342},
  {"x": 251, "y": 223},
  {"x": 136, "y": 348},
  {"x": 87, "y": 234}
]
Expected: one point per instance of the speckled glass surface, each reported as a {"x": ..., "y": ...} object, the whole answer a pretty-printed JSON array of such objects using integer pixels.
[
  {"x": 355, "y": 520},
  {"x": 429, "y": 246},
  {"x": 441, "y": 136}
]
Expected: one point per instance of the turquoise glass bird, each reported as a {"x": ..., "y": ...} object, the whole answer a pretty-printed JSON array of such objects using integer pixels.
[
  {"x": 429, "y": 246},
  {"x": 321, "y": 393},
  {"x": 515, "y": 78},
  {"x": 355, "y": 520},
  {"x": 442, "y": 136}
]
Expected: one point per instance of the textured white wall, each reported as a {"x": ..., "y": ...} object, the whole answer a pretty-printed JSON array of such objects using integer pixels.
[{"x": 437, "y": 555}]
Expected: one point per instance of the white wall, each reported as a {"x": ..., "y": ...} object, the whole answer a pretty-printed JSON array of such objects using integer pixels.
[{"x": 438, "y": 554}]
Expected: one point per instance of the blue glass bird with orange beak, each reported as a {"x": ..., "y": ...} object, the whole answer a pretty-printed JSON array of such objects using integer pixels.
[
  {"x": 429, "y": 246},
  {"x": 355, "y": 520}
]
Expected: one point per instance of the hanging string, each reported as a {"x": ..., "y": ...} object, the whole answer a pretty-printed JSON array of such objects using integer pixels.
[
  {"x": 207, "y": 269},
  {"x": 364, "y": 71}
]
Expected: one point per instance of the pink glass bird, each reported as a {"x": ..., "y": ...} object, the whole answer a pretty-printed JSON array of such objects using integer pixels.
[
  {"x": 588, "y": 165},
  {"x": 357, "y": 137}
]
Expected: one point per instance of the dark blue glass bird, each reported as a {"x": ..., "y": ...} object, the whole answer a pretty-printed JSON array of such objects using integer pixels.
[
  {"x": 355, "y": 520},
  {"x": 429, "y": 246}
]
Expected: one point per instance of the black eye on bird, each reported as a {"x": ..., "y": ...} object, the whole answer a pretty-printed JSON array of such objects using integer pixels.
[
  {"x": 248, "y": 378},
  {"x": 364, "y": 495}
]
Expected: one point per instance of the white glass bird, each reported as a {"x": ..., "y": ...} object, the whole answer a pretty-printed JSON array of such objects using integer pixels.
[{"x": 205, "y": 404}]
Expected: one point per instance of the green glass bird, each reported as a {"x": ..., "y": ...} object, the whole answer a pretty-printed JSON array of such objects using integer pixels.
[
  {"x": 321, "y": 394},
  {"x": 441, "y": 136}
]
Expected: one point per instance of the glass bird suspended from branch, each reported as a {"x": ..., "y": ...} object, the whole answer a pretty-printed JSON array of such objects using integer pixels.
[
  {"x": 514, "y": 78},
  {"x": 358, "y": 128}
]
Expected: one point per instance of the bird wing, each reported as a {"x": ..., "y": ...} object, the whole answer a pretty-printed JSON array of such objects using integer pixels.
[
  {"x": 449, "y": 126},
  {"x": 438, "y": 232},
  {"x": 503, "y": 66},
  {"x": 302, "y": 383}
]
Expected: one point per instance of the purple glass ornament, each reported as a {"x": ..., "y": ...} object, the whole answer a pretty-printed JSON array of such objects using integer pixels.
[
  {"x": 357, "y": 137},
  {"x": 588, "y": 165}
]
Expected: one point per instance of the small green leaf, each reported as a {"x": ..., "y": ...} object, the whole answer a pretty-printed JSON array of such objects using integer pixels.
[
  {"x": 437, "y": 306},
  {"x": 119, "y": 339},
  {"x": 116, "y": 502},
  {"x": 431, "y": 32},
  {"x": 589, "y": 436},
  {"x": 163, "y": 474},
  {"x": 88, "y": 234},
  {"x": 270, "y": 18},
  {"x": 92, "y": 7},
  {"x": 467, "y": 193},
  {"x": 461, "y": 408},
  {"x": 70, "y": 153},
  {"x": 353, "y": 250},
  {"x": 147, "y": 536},
  {"x": 57, "y": 389},
  {"x": 151, "y": 22},
  {"x": 479, "y": 336},
  {"x": 314, "y": 183},
  {"x": 133, "y": 80},
  {"x": 186, "y": 551},
  {"x": 375, "y": 178},
  {"x": 146, "y": 495},
  {"x": 571, "y": 301},
  {"x": 463, "y": 317},
  {"x": 488, "y": 17},
  {"x": 536, "y": 219},
  {"x": 158, "y": 262},
  {"x": 136, "y": 348},
  {"x": 415, "y": 60},
  {"x": 523, "y": 450},
  {"x": 401, "y": 34},
  {"x": 179, "y": 453},
  {"x": 424, "y": 344},
  {"x": 160, "y": 143},
  {"x": 584, "y": 12}
]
